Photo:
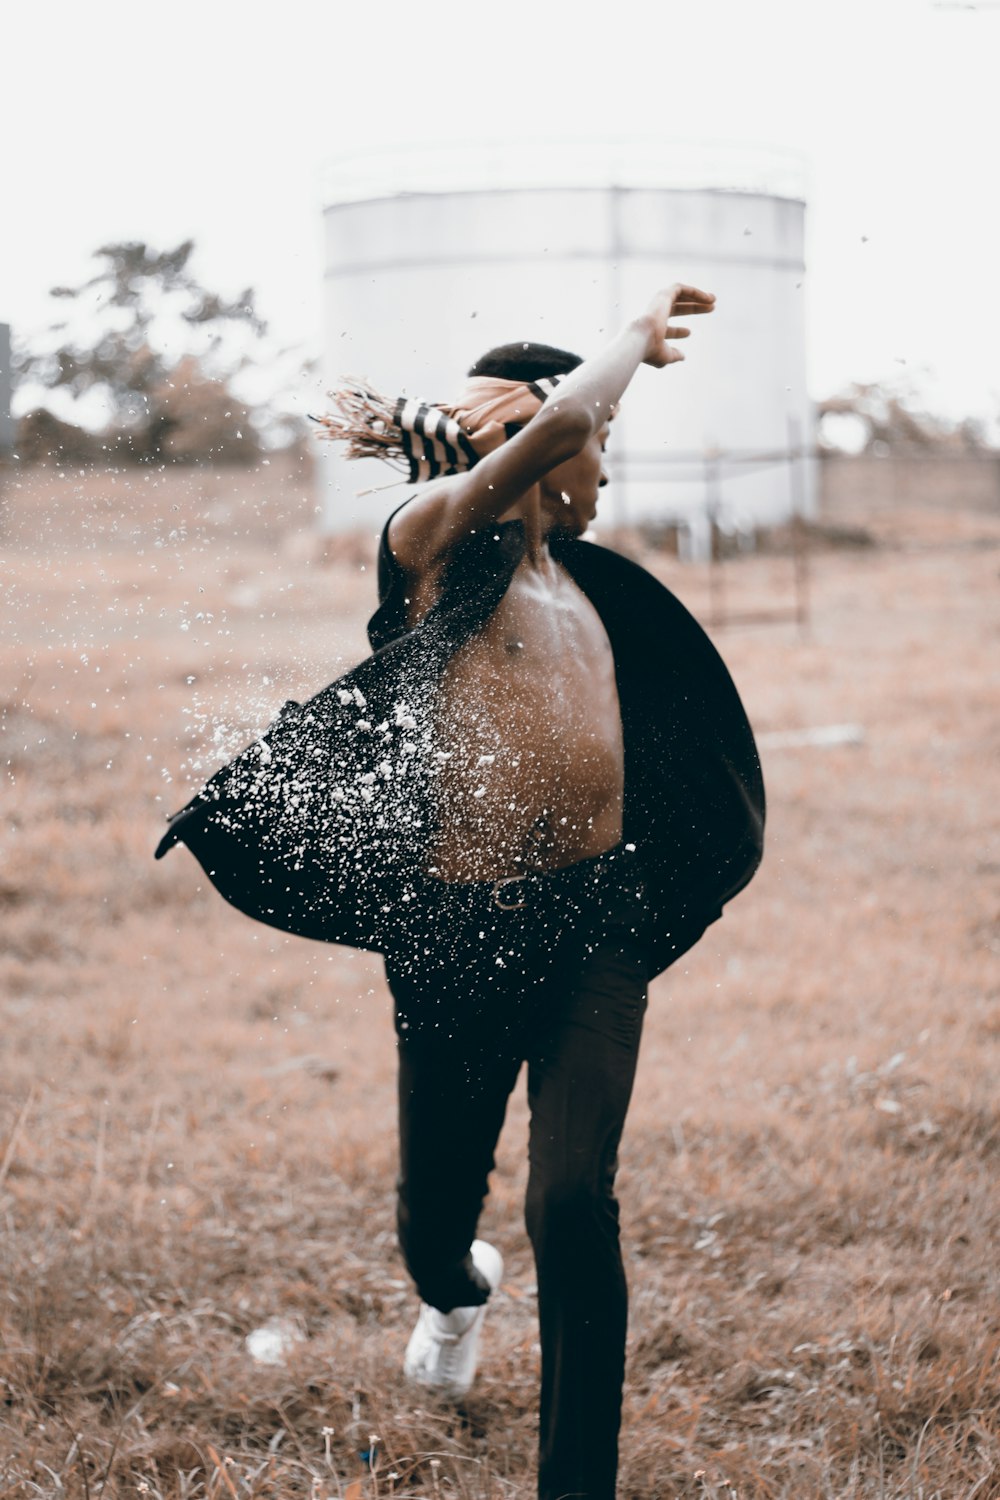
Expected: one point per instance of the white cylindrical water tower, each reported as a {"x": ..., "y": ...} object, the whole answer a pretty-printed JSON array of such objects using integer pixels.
[{"x": 434, "y": 256}]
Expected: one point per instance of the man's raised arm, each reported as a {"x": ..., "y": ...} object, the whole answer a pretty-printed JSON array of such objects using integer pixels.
[{"x": 444, "y": 514}]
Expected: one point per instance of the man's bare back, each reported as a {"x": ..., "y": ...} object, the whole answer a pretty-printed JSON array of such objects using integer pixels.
[{"x": 528, "y": 732}]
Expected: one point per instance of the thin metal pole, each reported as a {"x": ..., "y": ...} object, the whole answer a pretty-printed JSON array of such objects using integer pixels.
[
  {"x": 800, "y": 536},
  {"x": 716, "y": 575}
]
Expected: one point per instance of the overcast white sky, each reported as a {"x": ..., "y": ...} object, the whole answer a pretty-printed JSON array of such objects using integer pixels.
[{"x": 213, "y": 120}]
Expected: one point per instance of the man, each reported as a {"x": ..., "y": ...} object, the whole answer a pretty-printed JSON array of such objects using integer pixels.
[
  {"x": 493, "y": 970},
  {"x": 534, "y": 796}
]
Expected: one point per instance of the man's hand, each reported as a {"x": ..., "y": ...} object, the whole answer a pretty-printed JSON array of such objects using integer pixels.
[{"x": 673, "y": 301}]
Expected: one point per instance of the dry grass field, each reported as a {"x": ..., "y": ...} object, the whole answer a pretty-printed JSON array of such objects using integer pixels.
[{"x": 196, "y": 1122}]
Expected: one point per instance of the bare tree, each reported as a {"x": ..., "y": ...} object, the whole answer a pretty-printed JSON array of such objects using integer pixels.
[{"x": 889, "y": 418}]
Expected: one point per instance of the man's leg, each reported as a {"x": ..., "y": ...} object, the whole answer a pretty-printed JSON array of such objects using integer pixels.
[
  {"x": 580, "y": 1080},
  {"x": 447, "y": 1138},
  {"x": 458, "y": 1063}
]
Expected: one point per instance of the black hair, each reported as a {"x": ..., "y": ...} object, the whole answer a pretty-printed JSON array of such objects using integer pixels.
[{"x": 525, "y": 362}]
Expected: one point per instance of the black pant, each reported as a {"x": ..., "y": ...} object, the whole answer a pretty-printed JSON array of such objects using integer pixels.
[{"x": 559, "y": 982}]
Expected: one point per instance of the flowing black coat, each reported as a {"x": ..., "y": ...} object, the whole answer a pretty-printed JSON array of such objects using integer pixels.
[{"x": 318, "y": 827}]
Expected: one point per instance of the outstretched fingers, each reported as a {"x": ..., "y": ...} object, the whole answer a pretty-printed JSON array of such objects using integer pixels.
[
  {"x": 678, "y": 300},
  {"x": 690, "y": 300}
]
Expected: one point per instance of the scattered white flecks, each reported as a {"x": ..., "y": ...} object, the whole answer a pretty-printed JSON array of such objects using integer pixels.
[
  {"x": 360, "y": 698},
  {"x": 338, "y": 794},
  {"x": 363, "y": 724},
  {"x": 408, "y": 747},
  {"x": 343, "y": 696},
  {"x": 479, "y": 792},
  {"x": 367, "y": 793},
  {"x": 565, "y": 498},
  {"x": 485, "y": 760},
  {"x": 385, "y": 767},
  {"x": 367, "y": 778},
  {"x": 630, "y": 848},
  {"x": 265, "y": 753},
  {"x": 443, "y": 754}
]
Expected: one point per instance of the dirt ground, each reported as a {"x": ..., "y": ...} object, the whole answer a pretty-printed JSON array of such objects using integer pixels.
[{"x": 196, "y": 1122}]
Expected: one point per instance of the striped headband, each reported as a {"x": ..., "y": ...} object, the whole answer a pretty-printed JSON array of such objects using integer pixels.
[{"x": 426, "y": 439}]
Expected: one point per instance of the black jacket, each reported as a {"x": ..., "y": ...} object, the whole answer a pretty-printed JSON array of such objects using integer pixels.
[{"x": 317, "y": 827}]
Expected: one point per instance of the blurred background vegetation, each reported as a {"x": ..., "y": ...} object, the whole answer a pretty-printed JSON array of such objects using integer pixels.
[{"x": 144, "y": 364}]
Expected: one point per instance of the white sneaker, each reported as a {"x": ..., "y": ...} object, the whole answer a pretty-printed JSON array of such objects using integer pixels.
[{"x": 443, "y": 1347}]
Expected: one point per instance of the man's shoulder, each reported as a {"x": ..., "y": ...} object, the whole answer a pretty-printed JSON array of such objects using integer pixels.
[{"x": 416, "y": 534}]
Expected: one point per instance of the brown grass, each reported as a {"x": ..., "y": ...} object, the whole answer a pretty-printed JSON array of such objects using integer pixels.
[{"x": 196, "y": 1131}]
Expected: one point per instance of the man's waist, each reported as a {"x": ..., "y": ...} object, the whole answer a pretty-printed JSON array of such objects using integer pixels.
[{"x": 537, "y": 884}]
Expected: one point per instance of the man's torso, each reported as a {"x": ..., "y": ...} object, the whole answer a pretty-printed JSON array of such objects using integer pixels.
[{"x": 528, "y": 732}]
